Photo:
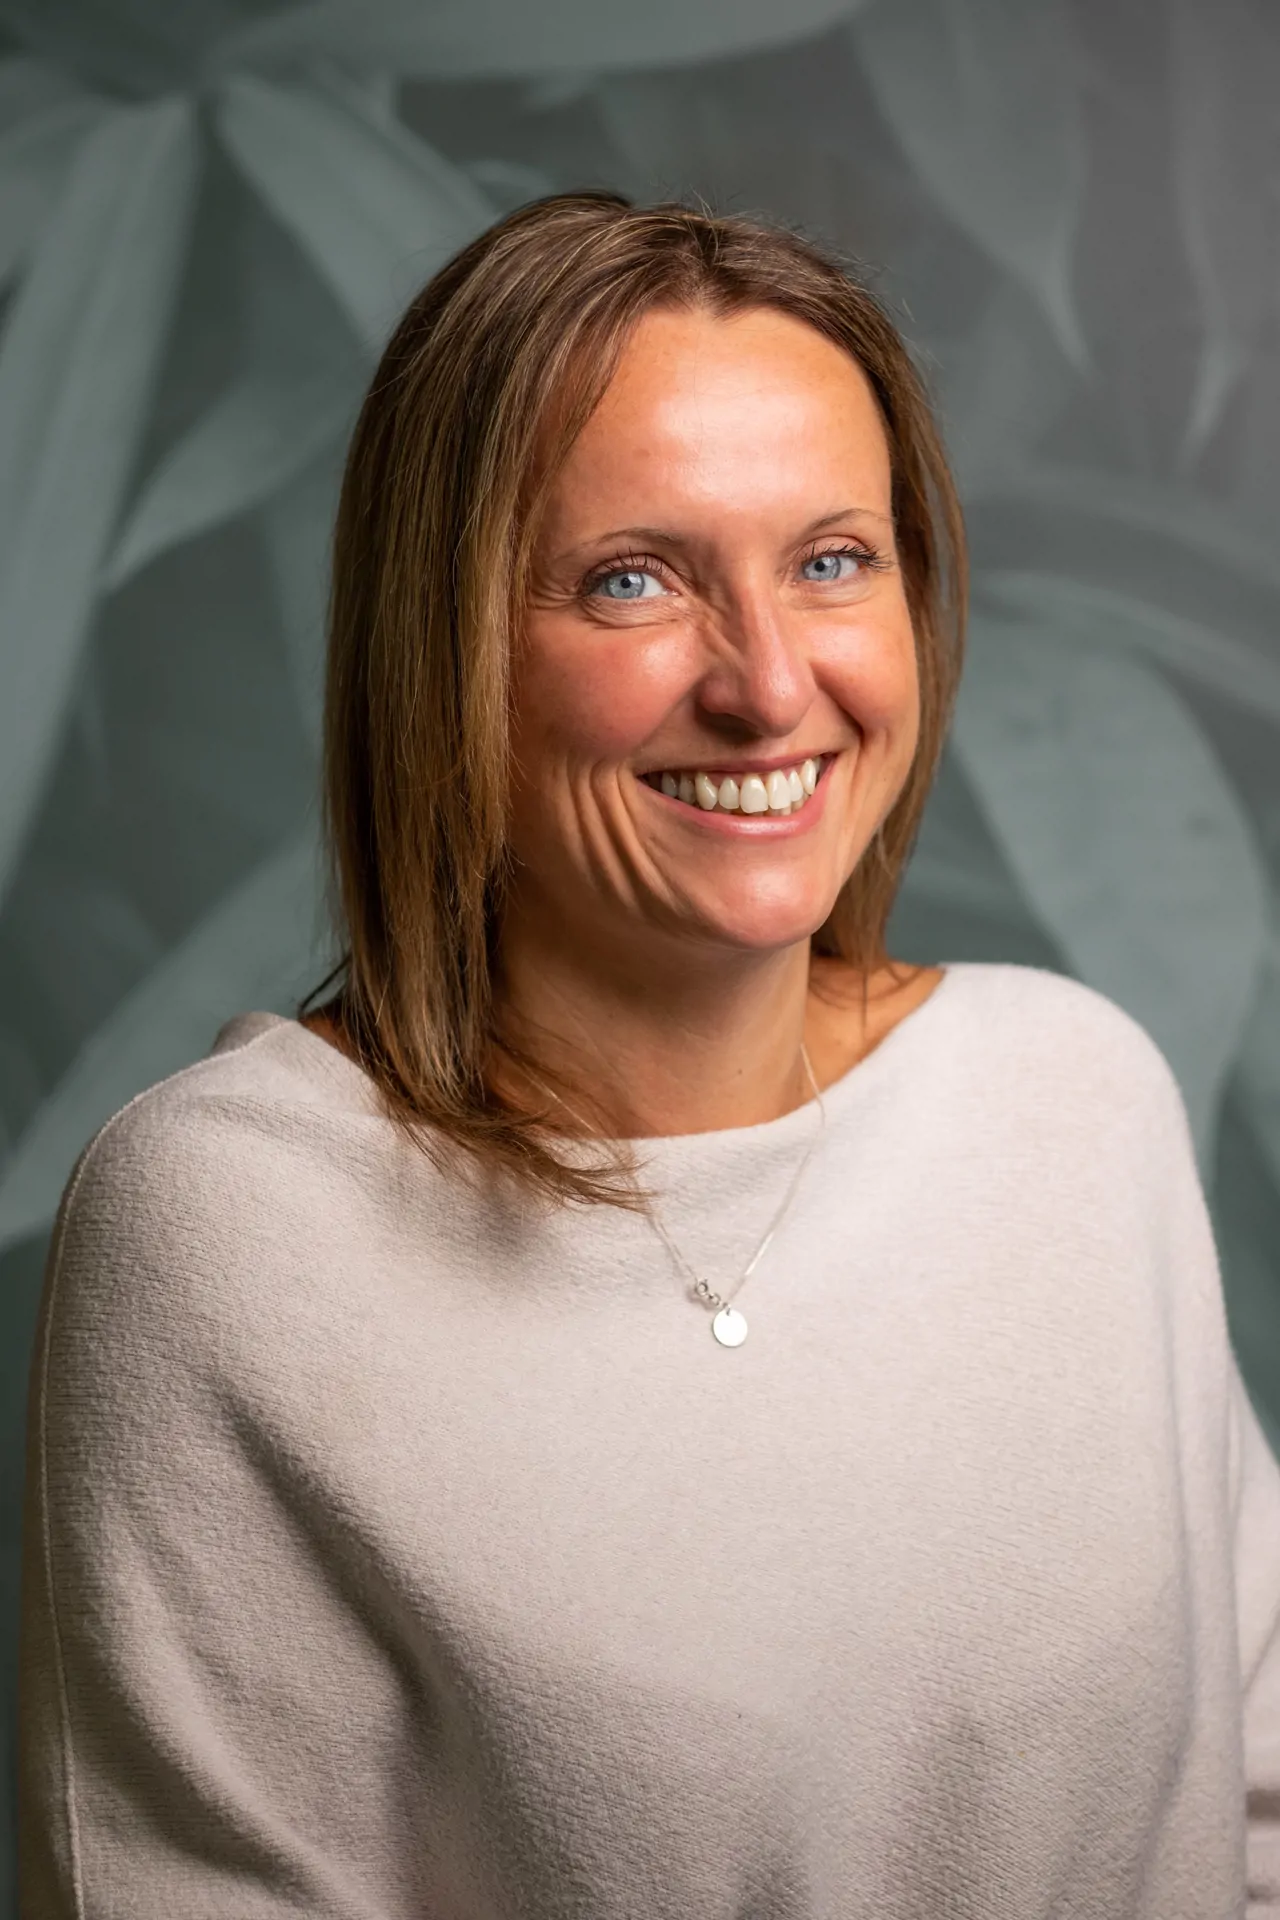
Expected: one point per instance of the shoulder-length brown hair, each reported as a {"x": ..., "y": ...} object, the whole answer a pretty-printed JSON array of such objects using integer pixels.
[{"x": 486, "y": 381}]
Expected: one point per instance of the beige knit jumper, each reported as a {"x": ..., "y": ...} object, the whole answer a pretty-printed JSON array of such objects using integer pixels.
[{"x": 394, "y": 1552}]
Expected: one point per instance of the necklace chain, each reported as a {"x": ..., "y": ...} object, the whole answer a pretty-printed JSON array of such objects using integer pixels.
[{"x": 701, "y": 1288}]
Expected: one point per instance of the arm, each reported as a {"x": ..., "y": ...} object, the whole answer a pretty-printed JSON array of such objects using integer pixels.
[
  {"x": 1255, "y": 1477},
  {"x": 195, "y": 1692}
]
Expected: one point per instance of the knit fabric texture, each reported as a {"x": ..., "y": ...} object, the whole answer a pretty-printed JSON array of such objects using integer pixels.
[{"x": 396, "y": 1549}]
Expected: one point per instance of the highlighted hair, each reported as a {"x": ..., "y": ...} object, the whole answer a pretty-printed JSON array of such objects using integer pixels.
[{"x": 487, "y": 380}]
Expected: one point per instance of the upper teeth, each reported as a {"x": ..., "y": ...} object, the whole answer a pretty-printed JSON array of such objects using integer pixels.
[{"x": 778, "y": 792}]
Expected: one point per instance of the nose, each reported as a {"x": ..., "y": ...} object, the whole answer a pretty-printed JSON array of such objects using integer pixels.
[{"x": 759, "y": 674}]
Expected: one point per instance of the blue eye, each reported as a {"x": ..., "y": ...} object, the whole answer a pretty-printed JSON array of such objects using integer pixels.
[
  {"x": 829, "y": 565},
  {"x": 628, "y": 583}
]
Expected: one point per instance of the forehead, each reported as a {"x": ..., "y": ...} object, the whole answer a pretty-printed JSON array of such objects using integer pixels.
[
  {"x": 682, "y": 341},
  {"x": 717, "y": 399}
]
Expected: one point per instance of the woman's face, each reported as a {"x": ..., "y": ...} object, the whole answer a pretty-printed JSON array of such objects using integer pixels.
[{"x": 717, "y": 599}]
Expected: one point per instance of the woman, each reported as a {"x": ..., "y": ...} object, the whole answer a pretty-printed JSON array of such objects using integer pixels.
[{"x": 400, "y": 1542}]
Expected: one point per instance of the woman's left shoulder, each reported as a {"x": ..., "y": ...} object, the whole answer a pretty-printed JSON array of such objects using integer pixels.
[
  {"x": 1011, "y": 1020},
  {"x": 1032, "y": 1001},
  {"x": 1032, "y": 1025}
]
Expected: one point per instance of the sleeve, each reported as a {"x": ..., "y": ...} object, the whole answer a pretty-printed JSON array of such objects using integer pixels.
[
  {"x": 182, "y": 1660},
  {"x": 1256, "y": 1517},
  {"x": 1250, "y": 1520}
]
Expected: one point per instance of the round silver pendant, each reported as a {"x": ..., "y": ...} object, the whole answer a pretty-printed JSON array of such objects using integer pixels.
[{"x": 729, "y": 1327}]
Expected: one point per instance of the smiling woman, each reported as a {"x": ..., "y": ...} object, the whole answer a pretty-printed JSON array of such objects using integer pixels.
[
  {"x": 663, "y": 498},
  {"x": 395, "y": 1546},
  {"x": 758, "y": 633}
]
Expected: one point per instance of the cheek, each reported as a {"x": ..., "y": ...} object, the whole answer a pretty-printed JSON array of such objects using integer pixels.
[
  {"x": 582, "y": 702},
  {"x": 899, "y": 687},
  {"x": 876, "y": 680}
]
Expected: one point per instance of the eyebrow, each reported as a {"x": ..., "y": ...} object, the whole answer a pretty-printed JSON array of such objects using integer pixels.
[{"x": 665, "y": 537}]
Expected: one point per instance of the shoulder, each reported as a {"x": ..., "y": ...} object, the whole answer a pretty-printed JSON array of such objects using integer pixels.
[
  {"x": 1004, "y": 1016},
  {"x": 1060, "y": 1057},
  {"x": 1032, "y": 1013},
  {"x": 187, "y": 1202},
  {"x": 999, "y": 1032},
  {"x": 187, "y": 1135}
]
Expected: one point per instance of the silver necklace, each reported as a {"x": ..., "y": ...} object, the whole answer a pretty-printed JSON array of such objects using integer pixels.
[{"x": 729, "y": 1324}]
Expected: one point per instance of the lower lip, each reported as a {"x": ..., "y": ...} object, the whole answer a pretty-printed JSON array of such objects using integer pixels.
[{"x": 752, "y": 826}]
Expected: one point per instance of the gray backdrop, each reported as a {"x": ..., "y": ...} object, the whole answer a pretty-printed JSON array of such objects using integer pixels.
[{"x": 210, "y": 214}]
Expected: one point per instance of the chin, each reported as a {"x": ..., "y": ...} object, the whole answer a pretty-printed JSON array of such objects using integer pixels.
[{"x": 765, "y": 926}]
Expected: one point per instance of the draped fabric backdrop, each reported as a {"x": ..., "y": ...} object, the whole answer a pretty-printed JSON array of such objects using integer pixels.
[{"x": 210, "y": 215}]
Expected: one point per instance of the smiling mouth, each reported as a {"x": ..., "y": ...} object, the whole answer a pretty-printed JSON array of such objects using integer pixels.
[{"x": 783, "y": 791}]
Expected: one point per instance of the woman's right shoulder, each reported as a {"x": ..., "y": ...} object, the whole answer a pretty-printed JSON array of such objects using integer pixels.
[{"x": 212, "y": 1174}]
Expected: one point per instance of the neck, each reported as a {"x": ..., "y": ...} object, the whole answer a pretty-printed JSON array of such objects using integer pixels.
[{"x": 685, "y": 1041}]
